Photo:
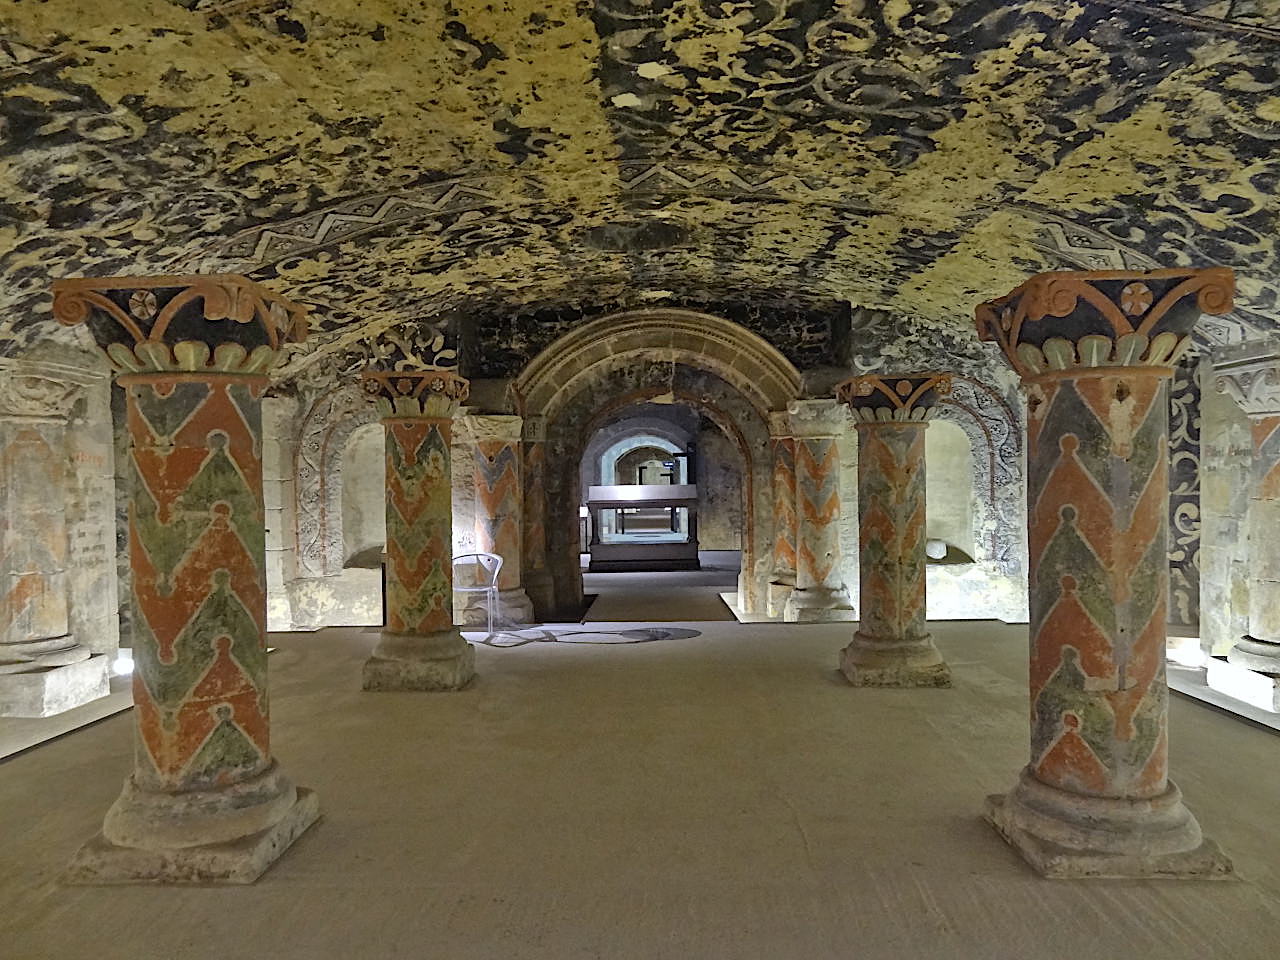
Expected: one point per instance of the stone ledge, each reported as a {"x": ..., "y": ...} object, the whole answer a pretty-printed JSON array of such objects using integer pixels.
[
  {"x": 46, "y": 692},
  {"x": 101, "y": 862}
]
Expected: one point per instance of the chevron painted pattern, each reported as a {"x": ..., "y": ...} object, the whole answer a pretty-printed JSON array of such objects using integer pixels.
[
  {"x": 1097, "y": 502},
  {"x": 891, "y": 516},
  {"x": 196, "y": 543},
  {"x": 784, "y": 507},
  {"x": 818, "y": 515},
  {"x": 1264, "y": 545},
  {"x": 498, "y": 506},
  {"x": 419, "y": 526}
]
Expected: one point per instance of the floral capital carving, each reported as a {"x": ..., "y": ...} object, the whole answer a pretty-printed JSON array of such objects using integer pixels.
[
  {"x": 221, "y": 323},
  {"x": 876, "y": 398},
  {"x": 1250, "y": 374},
  {"x": 415, "y": 393},
  {"x": 1070, "y": 321}
]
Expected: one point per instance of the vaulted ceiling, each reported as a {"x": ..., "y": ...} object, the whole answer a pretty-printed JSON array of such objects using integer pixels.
[{"x": 391, "y": 160}]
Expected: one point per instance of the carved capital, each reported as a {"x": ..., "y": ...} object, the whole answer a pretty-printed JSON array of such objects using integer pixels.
[
  {"x": 883, "y": 399},
  {"x": 485, "y": 428},
  {"x": 534, "y": 429},
  {"x": 1250, "y": 374},
  {"x": 30, "y": 393},
  {"x": 1071, "y": 321},
  {"x": 814, "y": 419},
  {"x": 191, "y": 324},
  {"x": 415, "y": 393},
  {"x": 779, "y": 424}
]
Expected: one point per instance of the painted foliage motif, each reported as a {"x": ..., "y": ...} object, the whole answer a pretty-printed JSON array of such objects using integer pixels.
[
  {"x": 784, "y": 508},
  {"x": 818, "y": 524},
  {"x": 498, "y": 505},
  {"x": 196, "y": 540}
]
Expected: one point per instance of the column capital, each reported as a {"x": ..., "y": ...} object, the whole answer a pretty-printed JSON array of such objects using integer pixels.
[
  {"x": 221, "y": 323},
  {"x": 32, "y": 389},
  {"x": 814, "y": 419},
  {"x": 779, "y": 424},
  {"x": 1068, "y": 322},
  {"x": 534, "y": 429},
  {"x": 486, "y": 427},
  {"x": 1250, "y": 374},
  {"x": 415, "y": 393},
  {"x": 911, "y": 398}
]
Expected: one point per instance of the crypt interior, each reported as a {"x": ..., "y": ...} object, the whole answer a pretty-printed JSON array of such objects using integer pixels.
[{"x": 639, "y": 478}]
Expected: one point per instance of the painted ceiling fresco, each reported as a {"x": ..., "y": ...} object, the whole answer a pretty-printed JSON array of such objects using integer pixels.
[{"x": 396, "y": 160}]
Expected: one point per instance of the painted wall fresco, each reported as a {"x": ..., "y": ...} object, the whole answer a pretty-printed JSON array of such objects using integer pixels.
[{"x": 400, "y": 160}]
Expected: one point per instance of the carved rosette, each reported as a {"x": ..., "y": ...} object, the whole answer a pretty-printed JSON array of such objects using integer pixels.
[
  {"x": 1063, "y": 321},
  {"x": 434, "y": 394},
  {"x": 182, "y": 324},
  {"x": 884, "y": 399},
  {"x": 1250, "y": 374}
]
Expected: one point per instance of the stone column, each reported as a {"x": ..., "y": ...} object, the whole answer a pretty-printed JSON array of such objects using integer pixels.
[
  {"x": 495, "y": 446},
  {"x": 782, "y": 579},
  {"x": 1095, "y": 352},
  {"x": 206, "y": 802},
  {"x": 892, "y": 647},
  {"x": 538, "y": 582},
  {"x": 420, "y": 648},
  {"x": 1250, "y": 374},
  {"x": 820, "y": 593},
  {"x": 44, "y": 668}
]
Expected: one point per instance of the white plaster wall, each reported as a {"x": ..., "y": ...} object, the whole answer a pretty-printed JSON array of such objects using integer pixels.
[
  {"x": 1226, "y": 456},
  {"x": 364, "y": 483},
  {"x": 949, "y": 485},
  {"x": 279, "y": 415}
]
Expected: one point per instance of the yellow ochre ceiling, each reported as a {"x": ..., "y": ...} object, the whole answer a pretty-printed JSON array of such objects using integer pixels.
[{"x": 390, "y": 160}]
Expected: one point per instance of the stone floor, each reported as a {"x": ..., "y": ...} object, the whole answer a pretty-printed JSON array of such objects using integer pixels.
[{"x": 725, "y": 796}]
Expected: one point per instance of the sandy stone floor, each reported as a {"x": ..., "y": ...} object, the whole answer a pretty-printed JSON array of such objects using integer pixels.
[{"x": 726, "y": 796}]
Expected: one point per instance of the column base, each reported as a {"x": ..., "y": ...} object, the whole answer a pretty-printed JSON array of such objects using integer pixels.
[
  {"x": 49, "y": 690},
  {"x": 238, "y": 861},
  {"x": 514, "y": 606},
  {"x": 1261, "y": 656},
  {"x": 818, "y": 605},
  {"x": 776, "y": 595},
  {"x": 1068, "y": 836},
  {"x": 873, "y": 662},
  {"x": 542, "y": 594},
  {"x": 441, "y": 661}
]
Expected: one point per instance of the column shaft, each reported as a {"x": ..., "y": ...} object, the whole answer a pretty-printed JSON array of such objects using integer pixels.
[
  {"x": 538, "y": 581},
  {"x": 783, "y": 577},
  {"x": 892, "y": 646},
  {"x": 498, "y": 522},
  {"x": 1096, "y": 351}
]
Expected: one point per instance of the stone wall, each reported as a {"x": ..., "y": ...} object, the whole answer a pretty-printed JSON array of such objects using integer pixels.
[
  {"x": 1226, "y": 455},
  {"x": 720, "y": 517}
]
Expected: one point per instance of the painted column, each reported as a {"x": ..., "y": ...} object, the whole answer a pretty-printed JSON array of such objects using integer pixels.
[
  {"x": 206, "y": 802},
  {"x": 420, "y": 648},
  {"x": 44, "y": 668},
  {"x": 1095, "y": 352},
  {"x": 495, "y": 448},
  {"x": 1250, "y": 374},
  {"x": 820, "y": 593},
  {"x": 782, "y": 447},
  {"x": 892, "y": 647},
  {"x": 538, "y": 582}
]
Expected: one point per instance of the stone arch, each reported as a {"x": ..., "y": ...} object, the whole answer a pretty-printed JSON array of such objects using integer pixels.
[
  {"x": 613, "y": 454},
  {"x": 326, "y": 427},
  {"x": 700, "y": 340},
  {"x": 614, "y": 382}
]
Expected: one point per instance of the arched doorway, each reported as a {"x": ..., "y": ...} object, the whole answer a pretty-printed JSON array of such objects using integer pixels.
[{"x": 728, "y": 375}]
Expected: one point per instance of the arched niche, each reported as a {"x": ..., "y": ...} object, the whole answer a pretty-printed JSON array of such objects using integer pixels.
[
  {"x": 615, "y": 453},
  {"x": 363, "y": 493},
  {"x": 949, "y": 485}
]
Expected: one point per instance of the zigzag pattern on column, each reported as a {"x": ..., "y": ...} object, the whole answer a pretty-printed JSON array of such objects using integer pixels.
[
  {"x": 891, "y": 517},
  {"x": 498, "y": 502},
  {"x": 419, "y": 537},
  {"x": 196, "y": 540},
  {"x": 818, "y": 496},
  {"x": 1266, "y": 457},
  {"x": 1098, "y": 533},
  {"x": 784, "y": 505}
]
